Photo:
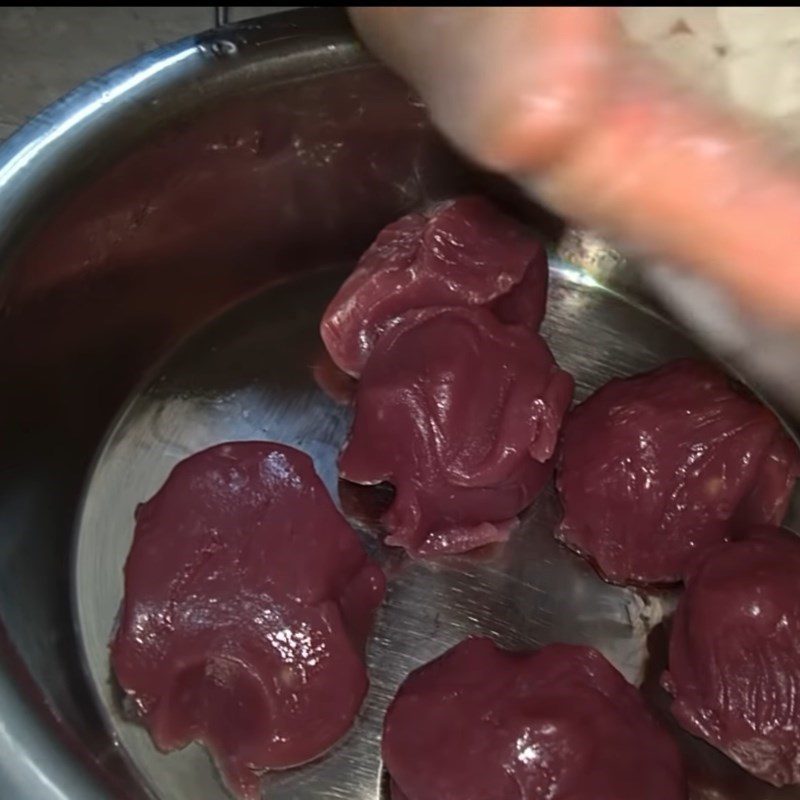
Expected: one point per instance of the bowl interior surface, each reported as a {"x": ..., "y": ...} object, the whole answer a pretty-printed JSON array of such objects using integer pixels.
[{"x": 260, "y": 372}]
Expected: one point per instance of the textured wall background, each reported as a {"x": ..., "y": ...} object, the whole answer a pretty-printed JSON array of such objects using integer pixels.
[
  {"x": 749, "y": 56},
  {"x": 45, "y": 52}
]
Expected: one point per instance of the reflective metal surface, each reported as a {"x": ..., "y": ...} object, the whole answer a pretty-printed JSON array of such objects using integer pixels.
[
  {"x": 251, "y": 375},
  {"x": 200, "y": 165}
]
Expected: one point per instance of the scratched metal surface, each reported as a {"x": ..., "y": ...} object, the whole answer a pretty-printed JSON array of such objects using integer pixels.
[{"x": 250, "y": 375}]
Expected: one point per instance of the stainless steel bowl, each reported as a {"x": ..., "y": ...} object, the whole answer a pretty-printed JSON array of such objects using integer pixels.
[{"x": 169, "y": 234}]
